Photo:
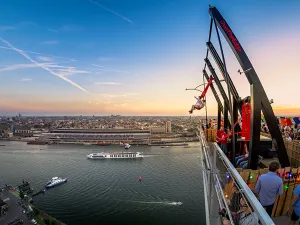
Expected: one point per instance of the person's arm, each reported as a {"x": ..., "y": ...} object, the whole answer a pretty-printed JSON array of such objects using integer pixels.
[
  {"x": 246, "y": 148},
  {"x": 280, "y": 189},
  {"x": 296, "y": 195},
  {"x": 294, "y": 199}
]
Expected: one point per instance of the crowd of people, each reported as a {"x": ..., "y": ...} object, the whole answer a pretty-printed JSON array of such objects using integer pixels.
[
  {"x": 224, "y": 141},
  {"x": 289, "y": 132},
  {"x": 268, "y": 186}
]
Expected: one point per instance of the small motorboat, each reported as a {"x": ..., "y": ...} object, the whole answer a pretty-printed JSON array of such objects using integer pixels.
[{"x": 55, "y": 181}]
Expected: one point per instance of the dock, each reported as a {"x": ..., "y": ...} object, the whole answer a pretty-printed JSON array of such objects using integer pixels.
[{"x": 39, "y": 192}]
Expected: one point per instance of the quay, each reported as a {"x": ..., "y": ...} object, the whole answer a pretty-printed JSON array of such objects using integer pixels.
[{"x": 19, "y": 207}]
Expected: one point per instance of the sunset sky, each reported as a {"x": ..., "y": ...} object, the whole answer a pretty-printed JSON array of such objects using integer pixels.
[{"x": 136, "y": 57}]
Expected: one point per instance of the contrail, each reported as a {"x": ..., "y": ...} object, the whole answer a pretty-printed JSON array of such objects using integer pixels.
[
  {"x": 43, "y": 66},
  {"x": 113, "y": 12},
  {"x": 38, "y": 53}
]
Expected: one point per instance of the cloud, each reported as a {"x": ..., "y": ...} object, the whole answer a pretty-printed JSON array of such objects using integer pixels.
[
  {"x": 50, "y": 42},
  {"x": 59, "y": 69},
  {"x": 70, "y": 28},
  {"x": 5, "y": 28},
  {"x": 43, "y": 66},
  {"x": 25, "y": 79},
  {"x": 38, "y": 53},
  {"x": 45, "y": 58},
  {"x": 121, "y": 105},
  {"x": 131, "y": 94},
  {"x": 17, "y": 66},
  {"x": 70, "y": 71},
  {"x": 52, "y": 30},
  {"x": 109, "y": 69},
  {"x": 107, "y": 83},
  {"x": 105, "y": 59},
  {"x": 109, "y": 96},
  {"x": 113, "y": 12}
]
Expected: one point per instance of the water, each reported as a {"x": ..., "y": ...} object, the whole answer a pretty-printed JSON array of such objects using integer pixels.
[{"x": 108, "y": 191}]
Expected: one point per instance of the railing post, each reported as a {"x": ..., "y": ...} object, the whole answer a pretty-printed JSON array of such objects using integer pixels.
[{"x": 214, "y": 204}]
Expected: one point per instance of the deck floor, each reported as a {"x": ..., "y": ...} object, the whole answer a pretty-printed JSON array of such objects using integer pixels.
[
  {"x": 266, "y": 162},
  {"x": 281, "y": 220}
]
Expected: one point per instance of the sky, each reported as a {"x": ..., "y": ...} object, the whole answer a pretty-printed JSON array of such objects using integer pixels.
[{"x": 137, "y": 57}]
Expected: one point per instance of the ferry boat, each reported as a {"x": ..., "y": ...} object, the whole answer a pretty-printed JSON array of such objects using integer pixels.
[
  {"x": 127, "y": 146},
  {"x": 87, "y": 143},
  {"x": 116, "y": 155},
  {"x": 55, "y": 181}
]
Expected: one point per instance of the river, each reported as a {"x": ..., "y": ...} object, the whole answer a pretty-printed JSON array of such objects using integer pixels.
[{"x": 108, "y": 191}]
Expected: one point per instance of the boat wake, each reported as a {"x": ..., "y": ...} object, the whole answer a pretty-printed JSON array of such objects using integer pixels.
[{"x": 162, "y": 203}]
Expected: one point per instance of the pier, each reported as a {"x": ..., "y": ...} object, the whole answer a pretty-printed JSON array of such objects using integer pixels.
[{"x": 39, "y": 192}]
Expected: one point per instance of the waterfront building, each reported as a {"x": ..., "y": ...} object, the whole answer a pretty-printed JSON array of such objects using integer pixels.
[
  {"x": 157, "y": 130},
  {"x": 163, "y": 129},
  {"x": 96, "y": 135},
  {"x": 23, "y": 131}
]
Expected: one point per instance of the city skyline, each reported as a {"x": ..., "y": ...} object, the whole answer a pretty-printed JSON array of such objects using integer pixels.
[{"x": 137, "y": 57}]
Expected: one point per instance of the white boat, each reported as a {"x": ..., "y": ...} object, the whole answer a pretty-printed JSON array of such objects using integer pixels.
[
  {"x": 87, "y": 143},
  {"x": 127, "y": 146},
  {"x": 55, "y": 181},
  {"x": 116, "y": 155}
]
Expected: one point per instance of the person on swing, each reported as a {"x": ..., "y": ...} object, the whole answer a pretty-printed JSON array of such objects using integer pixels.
[{"x": 199, "y": 105}]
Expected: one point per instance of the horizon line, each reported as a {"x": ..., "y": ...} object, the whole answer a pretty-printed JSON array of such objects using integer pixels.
[{"x": 121, "y": 115}]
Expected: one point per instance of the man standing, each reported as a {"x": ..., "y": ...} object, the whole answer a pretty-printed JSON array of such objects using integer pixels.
[
  {"x": 222, "y": 140},
  {"x": 268, "y": 186},
  {"x": 296, "y": 204}
]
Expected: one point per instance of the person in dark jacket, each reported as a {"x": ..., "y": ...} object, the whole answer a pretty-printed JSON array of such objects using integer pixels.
[{"x": 234, "y": 203}]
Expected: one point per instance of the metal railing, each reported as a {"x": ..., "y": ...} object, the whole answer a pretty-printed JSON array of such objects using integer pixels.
[{"x": 215, "y": 198}]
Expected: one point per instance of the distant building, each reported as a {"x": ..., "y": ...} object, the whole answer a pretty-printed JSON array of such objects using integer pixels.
[
  {"x": 168, "y": 127},
  {"x": 23, "y": 131},
  {"x": 162, "y": 130},
  {"x": 96, "y": 135},
  {"x": 4, "y": 129},
  {"x": 157, "y": 130}
]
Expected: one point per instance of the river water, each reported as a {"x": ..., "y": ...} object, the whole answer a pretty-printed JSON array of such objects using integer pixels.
[{"x": 108, "y": 191}]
